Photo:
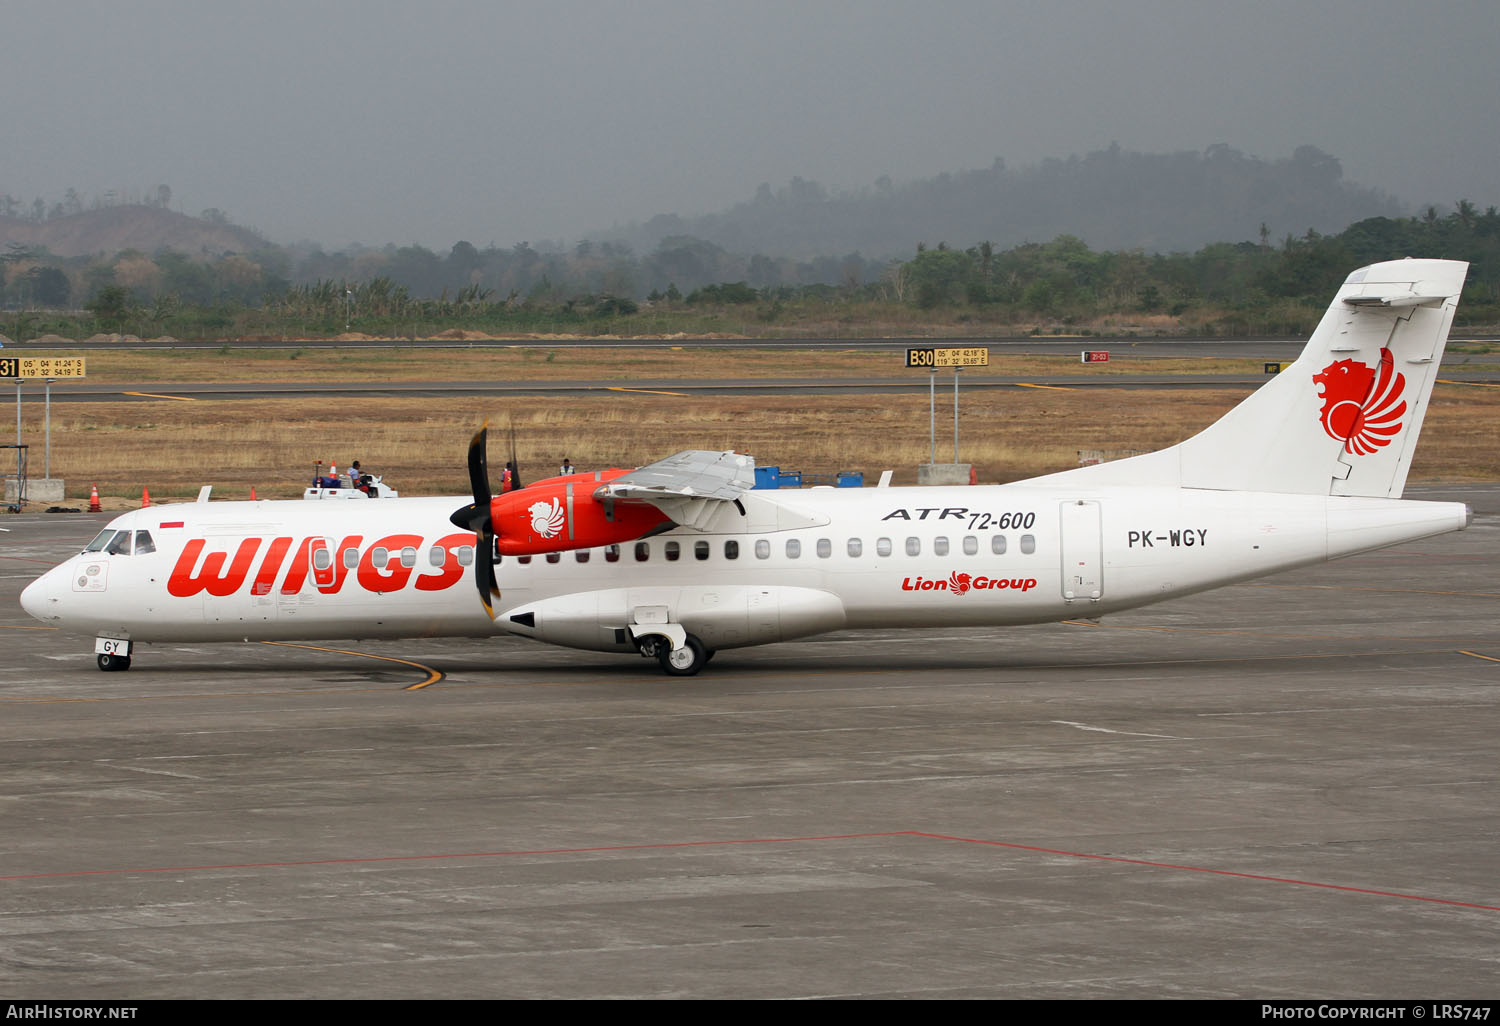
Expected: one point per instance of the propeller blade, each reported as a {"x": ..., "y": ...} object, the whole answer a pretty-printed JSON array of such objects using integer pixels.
[
  {"x": 479, "y": 475},
  {"x": 484, "y": 578},
  {"x": 476, "y": 517},
  {"x": 515, "y": 464}
]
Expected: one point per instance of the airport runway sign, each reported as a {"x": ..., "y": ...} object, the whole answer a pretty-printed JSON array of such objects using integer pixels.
[
  {"x": 42, "y": 367},
  {"x": 951, "y": 356}
]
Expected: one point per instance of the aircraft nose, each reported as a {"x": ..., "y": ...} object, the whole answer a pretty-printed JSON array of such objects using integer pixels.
[{"x": 39, "y": 598}]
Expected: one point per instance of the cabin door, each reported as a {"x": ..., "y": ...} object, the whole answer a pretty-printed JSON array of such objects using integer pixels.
[{"x": 1082, "y": 551}]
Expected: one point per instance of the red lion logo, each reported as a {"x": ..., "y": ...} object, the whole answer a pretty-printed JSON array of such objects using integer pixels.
[
  {"x": 959, "y": 583},
  {"x": 1361, "y": 408}
]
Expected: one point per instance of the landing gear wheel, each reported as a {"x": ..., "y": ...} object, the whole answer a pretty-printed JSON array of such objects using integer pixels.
[
  {"x": 684, "y": 661},
  {"x": 109, "y": 663}
]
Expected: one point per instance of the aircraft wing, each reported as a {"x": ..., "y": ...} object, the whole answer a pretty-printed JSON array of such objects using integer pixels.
[{"x": 690, "y": 487}]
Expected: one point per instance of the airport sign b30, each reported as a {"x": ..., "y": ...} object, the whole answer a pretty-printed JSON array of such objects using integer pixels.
[{"x": 952, "y": 356}]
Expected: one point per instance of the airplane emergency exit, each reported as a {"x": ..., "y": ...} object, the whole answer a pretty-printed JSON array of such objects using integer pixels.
[{"x": 680, "y": 559}]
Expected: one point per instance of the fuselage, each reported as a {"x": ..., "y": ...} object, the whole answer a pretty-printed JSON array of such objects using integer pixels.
[{"x": 793, "y": 563}]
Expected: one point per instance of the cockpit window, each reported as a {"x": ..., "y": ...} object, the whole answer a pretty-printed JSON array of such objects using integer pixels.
[{"x": 117, "y": 543}]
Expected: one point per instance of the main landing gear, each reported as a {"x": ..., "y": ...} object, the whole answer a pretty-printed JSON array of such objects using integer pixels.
[
  {"x": 681, "y": 660},
  {"x": 684, "y": 661},
  {"x": 681, "y": 654}
]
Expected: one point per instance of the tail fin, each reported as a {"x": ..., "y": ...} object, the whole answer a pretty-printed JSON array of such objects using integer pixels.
[{"x": 1344, "y": 418}]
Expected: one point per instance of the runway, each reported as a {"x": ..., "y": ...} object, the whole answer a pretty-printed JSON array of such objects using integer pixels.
[
  {"x": 148, "y": 392},
  {"x": 1248, "y": 347},
  {"x": 1283, "y": 789}
]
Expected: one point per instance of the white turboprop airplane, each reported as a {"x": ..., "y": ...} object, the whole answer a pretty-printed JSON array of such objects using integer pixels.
[{"x": 681, "y": 558}]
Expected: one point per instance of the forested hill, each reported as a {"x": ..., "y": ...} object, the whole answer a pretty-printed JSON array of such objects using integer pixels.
[
  {"x": 114, "y": 229},
  {"x": 1113, "y": 199}
]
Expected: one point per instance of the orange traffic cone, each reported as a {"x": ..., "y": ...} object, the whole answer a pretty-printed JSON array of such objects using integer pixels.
[
  {"x": 973, "y": 474},
  {"x": 94, "y": 506},
  {"x": 145, "y": 497},
  {"x": 252, "y": 493}
]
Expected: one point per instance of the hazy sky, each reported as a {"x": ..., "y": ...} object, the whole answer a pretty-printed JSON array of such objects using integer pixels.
[{"x": 378, "y": 121}]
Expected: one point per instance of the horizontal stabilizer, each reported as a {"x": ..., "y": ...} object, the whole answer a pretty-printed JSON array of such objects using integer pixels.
[{"x": 1395, "y": 301}]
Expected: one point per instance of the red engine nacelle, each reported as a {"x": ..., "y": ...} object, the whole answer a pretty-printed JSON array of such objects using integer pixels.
[
  {"x": 583, "y": 482},
  {"x": 560, "y": 513}
]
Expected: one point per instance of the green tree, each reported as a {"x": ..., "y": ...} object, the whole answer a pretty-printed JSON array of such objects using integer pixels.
[
  {"x": 462, "y": 263},
  {"x": 941, "y": 275},
  {"x": 111, "y": 306},
  {"x": 49, "y": 286},
  {"x": 187, "y": 279}
]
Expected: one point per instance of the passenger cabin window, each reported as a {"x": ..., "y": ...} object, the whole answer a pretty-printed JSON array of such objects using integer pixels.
[
  {"x": 322, "y": 559},
  {"x": 466, "y": 555},
  {"x": 143, "y": 543},
  {"x": 882, "y": 546},
  {"x": 856, "y": 547},
  {"x": 351, "y": 558},
  {"x": 1028, "y": 543},
  {"x": 582, "y": 555},
  {"x": 553, "y": 557},
  {"x": 762, "y": 549},
  {"x": 523, "y": 559},
  {"x": 940, "y": 545},
  {"x": 436, "y": 555},
  {"x": 673, "y": 550},
  {"x": 378, "y": 558},
  {"x": 642, "y": 551},
  {"x": 731, "y": 550},
  {"x": 825, "y": 548},
  {"x": 612, "y": 554},
  {"x": 409, "y": 557},
  {"x": 971, "y": 545},
  {"x": 700, "y": 550},
  {"x": 914, "y": 546},
  {"x": 997, "y": 544},
  {"x": 793, "y": 548}
]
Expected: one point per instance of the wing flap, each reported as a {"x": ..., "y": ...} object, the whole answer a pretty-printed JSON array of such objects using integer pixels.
[{"x": 690, "y": 486}]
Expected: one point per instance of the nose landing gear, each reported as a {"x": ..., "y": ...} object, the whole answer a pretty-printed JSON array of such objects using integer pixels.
[{"x": 113, "y": 654}]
